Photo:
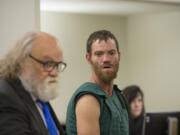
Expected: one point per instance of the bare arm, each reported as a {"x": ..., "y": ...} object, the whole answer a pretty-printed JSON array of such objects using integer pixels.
[{"x": 87, "y": 115}]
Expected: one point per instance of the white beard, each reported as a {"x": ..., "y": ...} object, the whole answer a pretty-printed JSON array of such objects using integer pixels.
[{"x": 45, "y": 91}]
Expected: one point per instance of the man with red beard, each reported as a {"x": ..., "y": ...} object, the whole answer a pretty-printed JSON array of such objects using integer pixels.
[
  {"x": 28, "y": 81},
  {"x": 97, "y": 107}
]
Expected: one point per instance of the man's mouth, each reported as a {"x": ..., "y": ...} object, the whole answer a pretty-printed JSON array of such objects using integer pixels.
[
  {"x": 107, "y": 67},
  {"x": 52, "y": 81}
]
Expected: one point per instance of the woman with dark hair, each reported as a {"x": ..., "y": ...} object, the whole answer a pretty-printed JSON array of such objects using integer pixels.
[{"x": 135, "y": 99}]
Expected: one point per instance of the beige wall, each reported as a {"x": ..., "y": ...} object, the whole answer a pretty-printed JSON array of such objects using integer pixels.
[
  {"x": 72, "y": 30},
  {"x": 153, "y": 53},
  {"x": 149, "y": 44},
  {"x": 16, "y": 18}
]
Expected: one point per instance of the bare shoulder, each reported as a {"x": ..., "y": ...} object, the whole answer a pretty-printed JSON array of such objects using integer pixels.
[
  {"x": 87, "y": 115},
  {"x": 87, "y": 101}
]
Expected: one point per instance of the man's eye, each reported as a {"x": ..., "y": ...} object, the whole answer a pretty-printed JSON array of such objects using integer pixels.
[
  {"x": 98, "y": 53},
  {"x": 49, "y": 64},
  {"x": 112, "y": 52}
]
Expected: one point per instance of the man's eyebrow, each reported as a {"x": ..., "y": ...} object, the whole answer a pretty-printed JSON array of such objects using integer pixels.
[
  {"x": 103, "y": 51},
  {"x": 47, "y": 58},
  {"x": 98, "y": 51},
  {"x": 112, "y": 50}
]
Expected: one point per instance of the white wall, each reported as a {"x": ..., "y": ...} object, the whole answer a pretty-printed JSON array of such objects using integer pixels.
[
  {"x": 72, "y": 30},
  {"x": 149, "y": 44},
  {"x": 153, "y": 46},
  {"x": 17, "y": 17}
]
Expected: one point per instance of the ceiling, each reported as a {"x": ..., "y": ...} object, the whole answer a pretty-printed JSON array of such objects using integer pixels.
[{"x": 112, "y": 7}]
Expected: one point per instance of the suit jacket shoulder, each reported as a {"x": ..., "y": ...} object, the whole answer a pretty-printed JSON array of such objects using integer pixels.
[{"x": 18, "y": 113}]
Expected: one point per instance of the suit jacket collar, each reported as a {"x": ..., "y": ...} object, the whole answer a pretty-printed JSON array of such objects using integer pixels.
[{"x": 29, "y": 104}]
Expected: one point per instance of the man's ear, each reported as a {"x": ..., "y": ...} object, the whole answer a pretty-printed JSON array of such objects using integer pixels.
[
  {"x": 119, "y": 55},
  {"x": 88, "y": 57}
]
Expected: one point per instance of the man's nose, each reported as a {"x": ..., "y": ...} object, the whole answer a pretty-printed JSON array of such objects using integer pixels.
[
  {"x": 54, "y": 72},
  {"x": 106, "y": 58}
]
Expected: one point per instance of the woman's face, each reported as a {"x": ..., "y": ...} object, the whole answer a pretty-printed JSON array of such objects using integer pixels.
[{"x": 136, "y": 106}]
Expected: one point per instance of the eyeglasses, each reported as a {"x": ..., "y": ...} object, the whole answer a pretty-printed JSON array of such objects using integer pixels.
[{"x": 50, "y": 65}]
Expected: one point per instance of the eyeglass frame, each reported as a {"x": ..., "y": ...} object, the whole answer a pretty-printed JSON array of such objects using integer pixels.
[{"x": 56, "y": 64}]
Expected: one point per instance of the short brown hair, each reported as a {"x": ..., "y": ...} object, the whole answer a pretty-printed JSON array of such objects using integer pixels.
[{"x": 101, "y": 35}]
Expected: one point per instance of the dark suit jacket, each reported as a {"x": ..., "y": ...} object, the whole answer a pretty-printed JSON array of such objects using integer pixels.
[{"x": 19, "y": 114}]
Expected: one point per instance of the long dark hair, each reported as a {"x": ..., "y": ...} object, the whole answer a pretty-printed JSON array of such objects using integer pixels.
[{"x": 130, "y": 93}]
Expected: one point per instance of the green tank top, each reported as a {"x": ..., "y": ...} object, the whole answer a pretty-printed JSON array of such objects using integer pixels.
[{"x": 113, "y": 117}]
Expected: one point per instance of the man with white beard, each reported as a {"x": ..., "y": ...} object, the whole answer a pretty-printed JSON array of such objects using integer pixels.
[
  {"x": 97, "y": 107},
  {"x": 28, "y": 81}
]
